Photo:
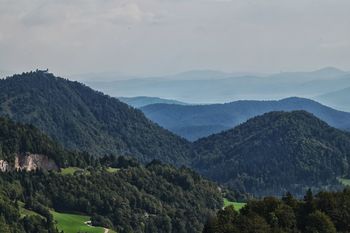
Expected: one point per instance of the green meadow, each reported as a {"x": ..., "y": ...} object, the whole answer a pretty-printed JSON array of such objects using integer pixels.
[
  {"x": 344, "y": 181},
  {"x": 73, "y": 223},
  {"x": 112, "y": 170},
  {"x": 73, "y": 170},
  {"x": 236, "y": 205}
]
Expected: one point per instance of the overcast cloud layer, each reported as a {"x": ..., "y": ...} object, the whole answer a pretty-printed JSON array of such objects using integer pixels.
[{"x": 165, "y": 36}]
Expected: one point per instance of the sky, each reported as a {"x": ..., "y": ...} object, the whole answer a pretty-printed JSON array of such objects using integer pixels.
[{"x": 153, "y": 37}]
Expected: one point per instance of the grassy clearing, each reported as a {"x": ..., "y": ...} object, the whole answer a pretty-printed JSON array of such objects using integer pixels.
[
  {"x": 344, "y": 181},
  {"x": 236, "y": 205},
  {"x": 73, "y": 223},
  {"x": 69, "y": 223},
  {"x": 70, "y": 170},
  {"x": 73, "y": 170},
  {"x": 112, "y": 170}
]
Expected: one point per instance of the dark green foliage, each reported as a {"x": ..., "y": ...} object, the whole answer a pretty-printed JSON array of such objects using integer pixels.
[
  {"x": 10, "y": 219},
  {"x": 276, "y": 153},
  {"x": 156, "y": 198},
  {"x": 319, "y": 222},
  {"x": 16, "y": 138},
  {"x": 83, "y": 119},
  {"x": 98, "y": 220},
  {"x": 271, "y": 215}
]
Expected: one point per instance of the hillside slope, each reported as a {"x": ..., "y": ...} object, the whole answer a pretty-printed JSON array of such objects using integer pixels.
[
  {"x": 27, "y": 148},
  {"x": 152, "y": 198},
  {"x": 339, "y": 99},
  {"x": 83, "y": 119},
  {"x": 275, "y": 153},
  {"x": 196, "y": 121}
]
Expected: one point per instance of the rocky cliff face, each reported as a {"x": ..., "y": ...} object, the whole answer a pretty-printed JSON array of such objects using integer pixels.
[{"x": 29, "y": 162}]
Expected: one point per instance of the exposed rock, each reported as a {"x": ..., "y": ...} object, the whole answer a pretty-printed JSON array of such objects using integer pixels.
[
  {"x": 30, "y": 162},
  {"x": 4, "y": 166}
]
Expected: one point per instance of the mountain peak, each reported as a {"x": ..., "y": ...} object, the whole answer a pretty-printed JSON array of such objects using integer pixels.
[{"x": 330, "y": 71}]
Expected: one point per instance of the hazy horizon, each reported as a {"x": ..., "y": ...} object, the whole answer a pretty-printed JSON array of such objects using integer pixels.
[
  {"x": 120, "y": 76},
  {"x": 157, "y": 37}
]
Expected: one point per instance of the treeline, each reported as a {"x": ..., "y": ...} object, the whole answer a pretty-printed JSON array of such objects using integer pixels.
[
  {"x": 136, "y": 198},
  {"x": 326, "y": 212}
]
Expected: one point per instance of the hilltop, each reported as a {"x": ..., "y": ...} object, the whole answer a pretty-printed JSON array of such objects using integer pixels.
[
  {"x": 275, "y": 153},
  {"x": 86, "y": 120}
]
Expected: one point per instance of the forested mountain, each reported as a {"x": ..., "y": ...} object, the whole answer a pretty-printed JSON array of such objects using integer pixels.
[
  {"x": 339, "y": 99},
  {"x": 141, "y": 101},
  {"x": 323, "y": 213},
  {"x": 275, "y": 153},
  {"x": 83, "y": 119},
  {"x": 196, "y": 121}
]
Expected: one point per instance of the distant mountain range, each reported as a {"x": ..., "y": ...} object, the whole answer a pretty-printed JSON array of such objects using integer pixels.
[
  {"x": 218, "y": 87},
  {"x": 86, "y": 120},
  {"x": 141, "y": 101},
  {"x": 338, "y": 99},
  {"x": 275, "y": 153},
  {"x": 196, "y": 121}
]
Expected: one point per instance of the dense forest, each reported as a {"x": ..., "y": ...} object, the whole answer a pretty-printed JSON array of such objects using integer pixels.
[
  {"x": 275, "y": 153},
  {"x": 155, "y": 198},
  {"x": 196, "y": 121},
  {"x": 326, "y": 212},
  {"x": 17, "y": 138},
  {"x": 86, "y": 120},
  {"x": 131, "y": 198},
  {"x": 11, "y": 220}
]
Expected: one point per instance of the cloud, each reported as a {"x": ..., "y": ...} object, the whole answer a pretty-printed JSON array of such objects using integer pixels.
[
  {"x": 129, "y": 13},
  {"x": 173, "y": 35},
  {"x": 44, "y": 14},
  {"x": 116, "y": 12},
  {"x": 335, "y": 45}
]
